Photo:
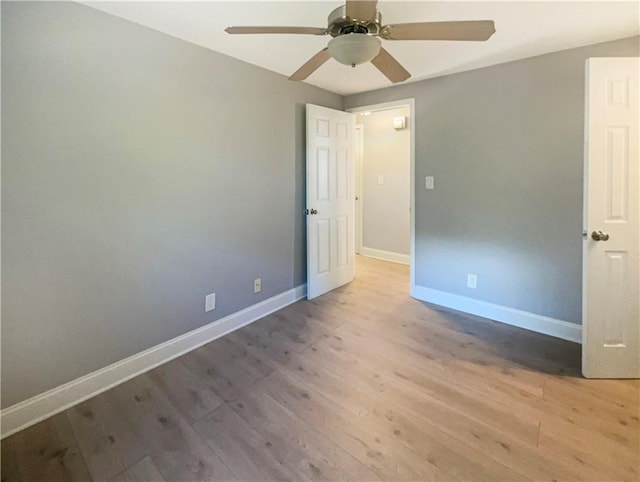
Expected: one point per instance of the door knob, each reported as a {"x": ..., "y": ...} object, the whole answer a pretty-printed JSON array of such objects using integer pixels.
[
  {"x": 599, "y": 236},
  {"x": 314, "y": 211}
]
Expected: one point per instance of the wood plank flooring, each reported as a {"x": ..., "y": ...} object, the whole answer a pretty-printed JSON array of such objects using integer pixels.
[{"x": 363, "y": 383}]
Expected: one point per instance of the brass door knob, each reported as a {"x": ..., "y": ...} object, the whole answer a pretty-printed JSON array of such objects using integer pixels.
[{"x": 599, "y": 236}]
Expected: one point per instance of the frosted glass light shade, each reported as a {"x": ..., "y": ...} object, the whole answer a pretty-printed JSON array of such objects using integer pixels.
[{"x": 354, "y": 48}]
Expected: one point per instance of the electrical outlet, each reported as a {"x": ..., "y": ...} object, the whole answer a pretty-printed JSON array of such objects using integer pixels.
[
  {"x": 472, "y": 281},
  {"x": 381, "y": 180},
  {"x": 257, "y": 285},
  {"x": 210, "y": 302}
]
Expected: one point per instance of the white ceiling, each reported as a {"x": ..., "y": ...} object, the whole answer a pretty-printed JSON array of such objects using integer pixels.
[{"x": 523, "y": 29}]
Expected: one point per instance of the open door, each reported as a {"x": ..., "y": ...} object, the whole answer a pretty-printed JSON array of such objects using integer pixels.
[
  {"x": 330, "y": 199},
  {"x": 611, "y": 266}
]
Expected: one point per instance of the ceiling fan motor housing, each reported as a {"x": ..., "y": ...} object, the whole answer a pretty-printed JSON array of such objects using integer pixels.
[{"x": 339, "y": 24}]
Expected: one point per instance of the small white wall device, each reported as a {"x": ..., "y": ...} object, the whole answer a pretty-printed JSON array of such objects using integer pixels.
[{"x": 400, "y": 122}]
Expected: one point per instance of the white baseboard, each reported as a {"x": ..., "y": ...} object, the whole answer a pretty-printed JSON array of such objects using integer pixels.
[
  {"x": 386, "y": 255},
  {"x": 35, "y": 409},
  {"x": 523, "y": 319}
]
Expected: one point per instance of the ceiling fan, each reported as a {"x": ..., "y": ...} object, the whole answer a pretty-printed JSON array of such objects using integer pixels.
[{"x": 356, "y": 28}]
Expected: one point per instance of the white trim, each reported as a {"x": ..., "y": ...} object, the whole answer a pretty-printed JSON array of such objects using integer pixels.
[
  {"x": 35, "y": 409},
  {"x": 359, "y": 191},
  {"x": 411, "y": 103},
  {"x": 523, "y": 319},
  {"x": 386, "y": 255}
]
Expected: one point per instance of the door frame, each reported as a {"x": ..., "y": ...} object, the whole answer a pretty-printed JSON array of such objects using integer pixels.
[
  {"x": 359, "y": 157},
  {"x": 411, "y": 104}
]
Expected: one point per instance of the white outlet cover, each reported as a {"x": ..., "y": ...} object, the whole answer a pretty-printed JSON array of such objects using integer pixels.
[
  {"x": 472, "y": 281},
  {"x": 380, "y": 180},
  {"x": 210, "y": 302},
  {"x": 257, "y": 285}
]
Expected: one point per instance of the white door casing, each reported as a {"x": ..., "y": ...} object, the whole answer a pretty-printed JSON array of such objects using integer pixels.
[
  {"x": 611, "y": 264},
  {"x": 330, "y": 199},
  {"x": 359, "y": 160}
]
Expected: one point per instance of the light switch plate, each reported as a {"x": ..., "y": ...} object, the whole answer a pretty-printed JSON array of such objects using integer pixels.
[
  {"x": 429, "y": 182},
  {"x": 380, "y": 180}
]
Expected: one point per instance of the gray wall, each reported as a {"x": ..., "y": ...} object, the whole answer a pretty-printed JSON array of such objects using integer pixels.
[
  {"x": 139, "y": 173},
  {"x": 385, "y": 207},
  {"x": 505, "y": 145}
]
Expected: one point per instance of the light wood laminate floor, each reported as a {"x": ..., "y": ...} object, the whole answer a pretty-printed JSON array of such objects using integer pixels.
[{"x": 363, "y": 383}]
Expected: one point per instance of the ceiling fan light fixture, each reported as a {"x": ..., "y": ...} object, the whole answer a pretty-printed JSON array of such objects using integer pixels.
[{"x": 354, "y": 48}]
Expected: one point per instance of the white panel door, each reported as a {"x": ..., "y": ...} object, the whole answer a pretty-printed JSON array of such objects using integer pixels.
[
  {"x": 330, "y": 199},
  {"x": 611, "y": 266}
]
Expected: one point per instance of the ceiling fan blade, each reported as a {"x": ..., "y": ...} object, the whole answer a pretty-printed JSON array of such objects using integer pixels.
[
  {"x": 464, "y": 30},
  {"x": 311, "y": 65},
  {"x": 361, "y": 9},
  {"x": 285, "y": 30},
  {"x": 390, "y": 67}
]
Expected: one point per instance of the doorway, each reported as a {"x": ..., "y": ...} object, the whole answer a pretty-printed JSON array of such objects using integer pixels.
[
  {"x": 385, "y": 146},
  {"x": 331, "y": 194}
]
